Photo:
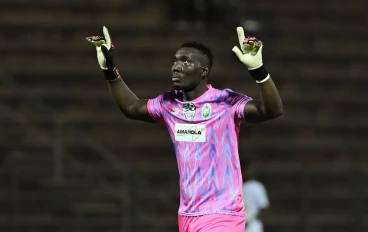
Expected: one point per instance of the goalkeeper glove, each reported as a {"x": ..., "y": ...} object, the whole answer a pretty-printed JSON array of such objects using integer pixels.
[
  {"x": 250, "y": 54},
  {"x": 105, "y": 54}
]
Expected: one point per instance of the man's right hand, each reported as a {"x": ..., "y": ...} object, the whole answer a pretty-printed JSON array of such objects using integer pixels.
[{"x": 104, "y": 48}]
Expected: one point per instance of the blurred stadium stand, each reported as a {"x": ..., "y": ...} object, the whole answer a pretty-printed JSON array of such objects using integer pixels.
[{"x": 71, "y": 162}]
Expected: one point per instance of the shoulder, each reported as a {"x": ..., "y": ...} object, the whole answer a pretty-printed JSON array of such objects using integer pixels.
[
  {"x": 216, "y": 94},
  {"x": 172, "y": 95},
  {"x": 169, "y": 96},
  {"x": 228, "y": 93},
  {"x": 258, "y": 186}
]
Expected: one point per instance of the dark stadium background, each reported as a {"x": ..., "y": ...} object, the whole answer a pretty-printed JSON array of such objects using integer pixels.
[{"x": 70, "y": 161}]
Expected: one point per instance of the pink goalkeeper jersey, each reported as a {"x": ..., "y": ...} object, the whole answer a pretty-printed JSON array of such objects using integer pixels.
[{"x": 205, "y": 136}]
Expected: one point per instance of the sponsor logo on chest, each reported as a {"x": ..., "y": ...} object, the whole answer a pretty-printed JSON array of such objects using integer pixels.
[{"x": 190, "y": 132}]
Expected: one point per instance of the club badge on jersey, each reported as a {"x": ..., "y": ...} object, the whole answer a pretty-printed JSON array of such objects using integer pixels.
[{"x": 189, "y": 110}]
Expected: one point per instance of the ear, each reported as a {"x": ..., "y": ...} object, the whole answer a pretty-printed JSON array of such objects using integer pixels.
[{"x": 205, "y": 71}]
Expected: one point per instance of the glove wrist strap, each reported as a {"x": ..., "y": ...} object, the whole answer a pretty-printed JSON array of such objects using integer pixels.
[
  {"x": 111, "y": 74},
  {"x": 264, "y": 80},
  {"x": 259, "y": 74}
]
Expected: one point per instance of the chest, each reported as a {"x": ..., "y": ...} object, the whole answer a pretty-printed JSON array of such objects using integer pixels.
[
  {"x": 190, "y": 112},
  {"x": 197, "y": 122}
]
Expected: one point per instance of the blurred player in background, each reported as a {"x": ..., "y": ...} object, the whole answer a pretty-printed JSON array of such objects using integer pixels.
[
  {"x": 255, "y": 198},
  {"x": 204, "y": 124}
]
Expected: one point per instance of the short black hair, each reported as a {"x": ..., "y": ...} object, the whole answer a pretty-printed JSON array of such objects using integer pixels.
[{"x": 202, "y": 48}]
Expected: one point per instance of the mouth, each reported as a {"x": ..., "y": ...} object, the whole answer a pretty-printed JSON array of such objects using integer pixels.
[{"x": 176, "y": 76}]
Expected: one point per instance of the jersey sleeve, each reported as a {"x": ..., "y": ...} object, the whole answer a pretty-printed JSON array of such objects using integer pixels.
[
  {"x": 155, "y": 108},
  {"x": 236, "y": 101}
]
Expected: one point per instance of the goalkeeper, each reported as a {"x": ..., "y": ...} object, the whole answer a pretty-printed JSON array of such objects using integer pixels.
[{"x": 204, "y": 124}]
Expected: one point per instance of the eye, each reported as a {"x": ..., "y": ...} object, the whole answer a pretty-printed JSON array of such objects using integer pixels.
[{"x": 186, "y": 62}]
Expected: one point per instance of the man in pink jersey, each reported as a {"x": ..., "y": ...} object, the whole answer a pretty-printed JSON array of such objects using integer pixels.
[{"x": 204, "y": 124}]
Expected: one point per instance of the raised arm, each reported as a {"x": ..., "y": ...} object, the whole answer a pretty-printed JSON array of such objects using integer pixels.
[
  {"x": 129, "y": 104},
  {"x": 269, "y": 105}
]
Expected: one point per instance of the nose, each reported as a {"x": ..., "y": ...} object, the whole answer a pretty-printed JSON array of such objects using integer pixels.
[
  {"x": 175, "y": 70},
  {"x": 176, "y": 67}
]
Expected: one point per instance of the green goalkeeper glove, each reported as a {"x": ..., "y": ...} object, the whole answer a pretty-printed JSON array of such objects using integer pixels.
[
  {"x": 105, "y": 54},
  {"x": 250, "y": 54}
]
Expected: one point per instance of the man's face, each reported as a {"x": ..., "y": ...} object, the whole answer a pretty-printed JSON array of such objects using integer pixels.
[{"x": 187, "y": 69}]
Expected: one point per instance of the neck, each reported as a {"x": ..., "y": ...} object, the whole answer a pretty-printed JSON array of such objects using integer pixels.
[{"x": 196, "y": 92}]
